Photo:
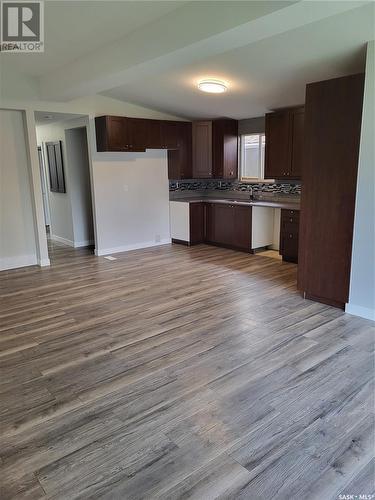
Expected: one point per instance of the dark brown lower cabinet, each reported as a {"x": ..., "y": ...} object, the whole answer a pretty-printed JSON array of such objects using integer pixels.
[
  {"x": 333, "y": 113},
  {"x": 289, "y": 231},
  {"x": 229, "y": 226},
  {"x": 197, "y": 213}
]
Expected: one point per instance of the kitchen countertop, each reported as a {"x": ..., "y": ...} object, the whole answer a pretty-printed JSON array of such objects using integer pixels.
[{"x": 287, "y": 205}]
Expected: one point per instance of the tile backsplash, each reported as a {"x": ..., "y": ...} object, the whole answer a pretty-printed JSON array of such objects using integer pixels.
[{"x": 218, "y": 185}]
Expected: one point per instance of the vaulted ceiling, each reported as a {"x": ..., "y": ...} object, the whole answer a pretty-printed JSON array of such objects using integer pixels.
[{"x": 153, "y": 53}]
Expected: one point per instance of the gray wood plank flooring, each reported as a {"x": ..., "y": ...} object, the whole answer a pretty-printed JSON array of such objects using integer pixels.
[{"x": 177, "y": 372}]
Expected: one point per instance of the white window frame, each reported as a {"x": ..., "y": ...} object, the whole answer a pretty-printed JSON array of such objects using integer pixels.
[{"x": 260, "y": 178}]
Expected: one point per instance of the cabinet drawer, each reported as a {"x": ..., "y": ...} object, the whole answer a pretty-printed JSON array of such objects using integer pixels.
[
  {"x": 288, "y": 227},
  {"x": 291, "y": 216},
  {"x": 289, "y": 247}
]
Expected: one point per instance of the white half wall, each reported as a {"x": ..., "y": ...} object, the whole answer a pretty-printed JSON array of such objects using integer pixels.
[
  {"x": 131, "y": 200},
  {"x": 17, "y": 234},
  {"x": 362, "y": 281}
]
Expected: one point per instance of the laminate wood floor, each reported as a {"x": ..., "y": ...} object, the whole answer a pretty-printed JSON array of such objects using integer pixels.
[{"x": 177, "y": 372}]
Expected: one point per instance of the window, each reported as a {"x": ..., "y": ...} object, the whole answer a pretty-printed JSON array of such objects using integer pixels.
[{"x": 252, "y": 157}]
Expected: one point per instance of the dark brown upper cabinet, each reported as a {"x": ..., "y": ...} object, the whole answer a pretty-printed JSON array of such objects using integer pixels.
[
  {"x": 179, "y": 159},
  {"x": 215, "y": 149},
  {"x": 202, "y": 149},
  {"x": 114, "y": 133},
  {"x": 119, "y": 133},
  {"x": 333, "y": 113},
  {"x": 171, "y": 134},
  {"x": 297, "y": 143},
  {"x": 225, "y": 148},
  {"x": 284, "y": 144}
]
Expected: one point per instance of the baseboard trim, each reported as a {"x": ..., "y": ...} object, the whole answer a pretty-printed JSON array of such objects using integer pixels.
[
  {"x": 60, "y": 239},
  {"x": 323, "y": 300},
  {"x": 85, "y": 243},
  {"x": 363, "y": 312},
  {"x": 128, "y": 248},
  {"x": 180, "y": 242},
  {"x": 7, "y": 263},
  {"x": 44, "y": 262}
]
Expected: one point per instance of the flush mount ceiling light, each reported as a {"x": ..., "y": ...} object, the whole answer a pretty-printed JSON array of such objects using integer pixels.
[{"x": 212, "y": 86}]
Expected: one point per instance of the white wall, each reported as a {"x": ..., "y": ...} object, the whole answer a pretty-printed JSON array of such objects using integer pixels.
[
  {"x": 132, "y": 200},
  {"x": 79, "y": 184},
  {"x": 95, "y": 106},
  {"x": 17, "y": 234},
  {"x": 362, "y": 283}
]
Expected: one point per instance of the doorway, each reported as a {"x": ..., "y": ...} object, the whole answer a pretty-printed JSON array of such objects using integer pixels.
[{"x": 63, "y": 150}]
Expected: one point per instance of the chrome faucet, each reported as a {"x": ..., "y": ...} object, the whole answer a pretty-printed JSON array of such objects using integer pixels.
[{"x": 251, "y": 191}]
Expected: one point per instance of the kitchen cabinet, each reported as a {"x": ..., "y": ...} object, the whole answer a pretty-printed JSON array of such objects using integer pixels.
[
  {"x": 112, "y": 133},
  {"x": 284, "y": 144},
  {"x": 202, "y": 150},
  {"x": 170, "y": 132},
  {"x": 289, "y": 232},
  {"x": 215, "y": 149},
  {"x": 242, "y": 228},
  {"x": 187, "y": 222},
  {"x": 229, "y": 225},
  {"x": 333, "y": 113},
  {"x": 179, "y": 159},
  {"x": 197, "y": 229},
  {"x": 141, "y": 134},
  {"x": 220, "y": 219},
  {"x": 225, "y": 149},
  {"x": 119, "y": 133},
  {"x": 297, "y": 142}
]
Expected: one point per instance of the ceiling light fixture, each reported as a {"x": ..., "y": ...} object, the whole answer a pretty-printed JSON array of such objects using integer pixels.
[{"x": 212, "y": 86}]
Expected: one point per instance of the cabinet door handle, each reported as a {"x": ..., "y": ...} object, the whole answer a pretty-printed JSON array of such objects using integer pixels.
[{"x": 290, "y": 236}]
